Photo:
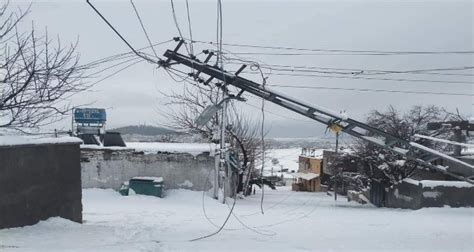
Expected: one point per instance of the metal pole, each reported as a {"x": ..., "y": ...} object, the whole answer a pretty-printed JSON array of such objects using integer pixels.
[
  {"x": 222, "y": 166},
  {"x": 337, "y": 172}
]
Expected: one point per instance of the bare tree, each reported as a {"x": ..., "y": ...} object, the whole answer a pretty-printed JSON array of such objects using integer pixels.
[
  {"x": 385, "y": 166},
  {"x": 243, "y": 134},
  {"x": 36, "y": 75}
]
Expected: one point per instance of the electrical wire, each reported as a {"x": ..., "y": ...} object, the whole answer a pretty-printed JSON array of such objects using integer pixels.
[
  {"x": 369, "y": 78},
  {"x": 374, "y": 90},
  {"x": 118, "y": 71},
  {"x": 139, "y": 54},
  {"x": 143, "y": 28},
  {"x": 273, "y": 113},
  {"x": 350, "y": 52},
  {"x": 225, "y": 221},
  {"x": 262, "y": 135},
  {"x": 359, "y": 71},
  {"x": 177, "y": 24},
  {"x": 191, "y": 47},
  {"x": 120, "y": 55}
]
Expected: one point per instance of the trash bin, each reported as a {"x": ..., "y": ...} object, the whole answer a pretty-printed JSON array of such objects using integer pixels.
[{"x": 147, "y": 186}]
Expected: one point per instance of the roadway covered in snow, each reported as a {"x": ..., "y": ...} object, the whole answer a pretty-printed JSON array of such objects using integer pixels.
[{"x": 293, "y": 221}]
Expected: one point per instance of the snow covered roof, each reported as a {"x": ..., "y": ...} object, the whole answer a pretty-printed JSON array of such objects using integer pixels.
[
  {"x": 313, "y": 153},
  {"x": 154, "y": 147},
  {"x": 154, "y": 179},
  {"x": 30, "y": 140},
  {"x": 306, "y": 176}
]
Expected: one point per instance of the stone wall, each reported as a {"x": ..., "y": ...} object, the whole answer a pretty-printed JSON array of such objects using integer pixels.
[
  {"x": 108, "y": 168},
  {"x": 38, "y": 181}
]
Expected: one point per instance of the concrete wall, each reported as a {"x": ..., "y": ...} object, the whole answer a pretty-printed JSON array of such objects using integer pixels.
[
  {"x": 413, "y": 196},
  {"x": 105, "y": 168},
  {"x": 38, "y": 182}
]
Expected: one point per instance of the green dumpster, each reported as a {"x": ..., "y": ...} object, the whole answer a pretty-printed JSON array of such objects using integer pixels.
[{"x": 147, "y": 186}]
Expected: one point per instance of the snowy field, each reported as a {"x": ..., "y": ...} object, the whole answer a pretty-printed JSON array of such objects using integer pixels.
[{"x": 293, "y": 221}]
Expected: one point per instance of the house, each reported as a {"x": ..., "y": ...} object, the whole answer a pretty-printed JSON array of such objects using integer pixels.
[{"x": 308, "y": 177}]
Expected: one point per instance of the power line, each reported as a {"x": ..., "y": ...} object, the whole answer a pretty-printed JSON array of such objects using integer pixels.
[
  {"x": 361, "y": 71},
  {"x": 374, "y": 90},
  {"x": 351, "y": 52},
  {"x": 114, "y": 65},
  {"x": 119, "y": 56},
  {"x": 118, "y": 71},
  {"x": 368, "y": 78},
  {"x": 173, "y": 11},
  {"x": 273, "y": 113},
  {"x": 143, "y": 28},
  {"x": 139, "y": 54},
  {"x": 191, "y": 47}
]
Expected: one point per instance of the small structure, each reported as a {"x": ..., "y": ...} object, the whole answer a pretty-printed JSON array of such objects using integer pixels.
[
  {"x": 308, "y": 176},
  {"x": 39, "y": 178},
  {"x": 89, "y": 125},
  {"x": 152, "y": 186}
]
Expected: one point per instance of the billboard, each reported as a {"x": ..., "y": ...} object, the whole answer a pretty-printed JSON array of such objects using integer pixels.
[{"x": 90, "y": 115}]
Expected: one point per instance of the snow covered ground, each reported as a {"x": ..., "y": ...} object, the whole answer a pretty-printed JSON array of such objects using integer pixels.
[
  {"x": 293, "y": 221},
  {"x": 287, "y": 159}
]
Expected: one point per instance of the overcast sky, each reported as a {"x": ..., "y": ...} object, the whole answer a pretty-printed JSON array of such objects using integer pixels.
[{"x": 133, "y": 96}]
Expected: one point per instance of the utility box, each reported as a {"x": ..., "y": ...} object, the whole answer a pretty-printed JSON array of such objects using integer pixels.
[{"x": 147, "y": 186}]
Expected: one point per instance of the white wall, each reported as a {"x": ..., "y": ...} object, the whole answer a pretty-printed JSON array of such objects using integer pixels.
[{"x": 109, "y": 169}]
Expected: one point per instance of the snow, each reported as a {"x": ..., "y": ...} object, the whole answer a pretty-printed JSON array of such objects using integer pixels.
[
  {"x": 306, "y": 176},
  {"x": 34, "y": 140},
  {"x": 433, "y": 195},
  {"x": 443, "y": 140},
  {"x": 437, "y": 153},
  {"x": 318, "y": 153},
  {"x": 287, "y": 159},
  {"x": 187, "y": 184},
  {"x": 154, "y": 179},
  {"x": 411, "y": 181},
  {"x": 435, "y": 183},
  {"x": 375, "y": 140},
  {"x": 293, "y": 221},
  {"x": 154, "y": 147}
]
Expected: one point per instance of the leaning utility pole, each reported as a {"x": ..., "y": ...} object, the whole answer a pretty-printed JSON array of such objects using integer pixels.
[{"x": 411, "y": 150}]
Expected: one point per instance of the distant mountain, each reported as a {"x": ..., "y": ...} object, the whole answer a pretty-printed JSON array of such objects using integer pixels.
[{"x": 144, "y": 130}]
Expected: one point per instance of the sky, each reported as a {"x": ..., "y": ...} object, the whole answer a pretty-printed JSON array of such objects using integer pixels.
[{"x": 135, "y": 95}]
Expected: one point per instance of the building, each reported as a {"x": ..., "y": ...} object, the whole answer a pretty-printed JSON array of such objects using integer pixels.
[{"x": 308, "y": 177}]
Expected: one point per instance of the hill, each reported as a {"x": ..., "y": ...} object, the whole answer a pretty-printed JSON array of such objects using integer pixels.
[{"x": 144, "y": 130}]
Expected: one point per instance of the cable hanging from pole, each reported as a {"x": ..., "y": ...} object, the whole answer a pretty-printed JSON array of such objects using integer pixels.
[
  {"x": 139, "y": 54},
  {"x": 143, "y": 28}
]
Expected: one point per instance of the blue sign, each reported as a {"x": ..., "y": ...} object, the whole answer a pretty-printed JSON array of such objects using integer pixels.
[{"x": 90, "y": 115}]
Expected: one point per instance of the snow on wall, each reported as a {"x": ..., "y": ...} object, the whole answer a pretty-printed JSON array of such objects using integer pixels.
[
  {"x": 154, "y": 147},
  {"x": 436, "y": 183},
  {"x": 28, "y": 140}
]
